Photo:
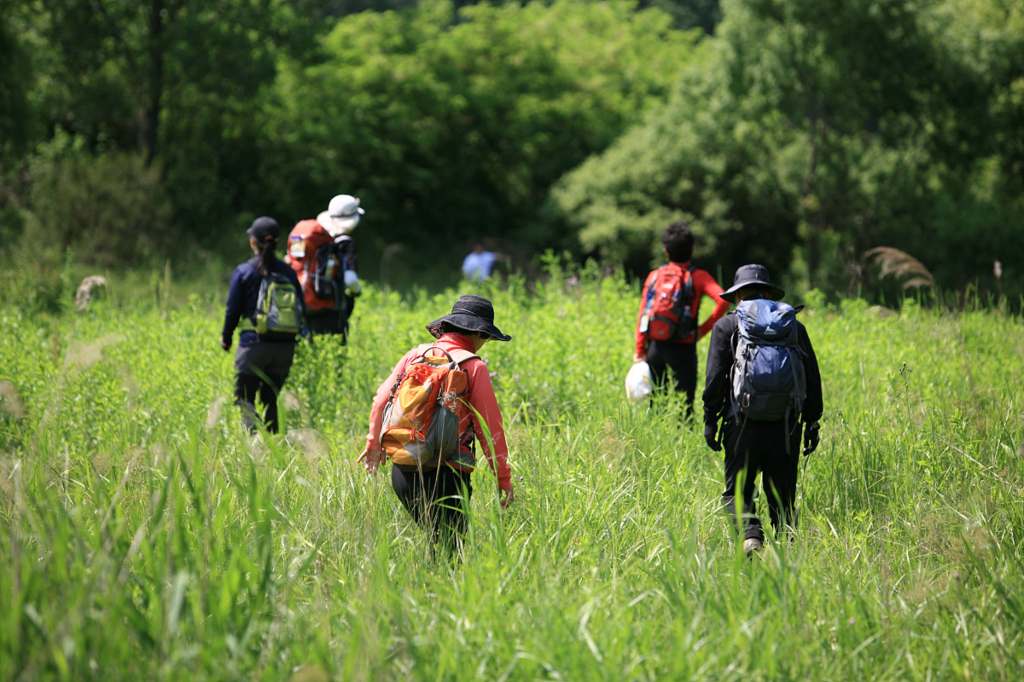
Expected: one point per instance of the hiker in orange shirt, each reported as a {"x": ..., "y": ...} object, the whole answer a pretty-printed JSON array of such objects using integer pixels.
[
  {"x": 667, "y": 331},
  {"x": 436, "y": 491}
]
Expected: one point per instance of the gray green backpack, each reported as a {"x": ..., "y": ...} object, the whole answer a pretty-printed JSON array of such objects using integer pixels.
[{"x": 278, "y": 315}]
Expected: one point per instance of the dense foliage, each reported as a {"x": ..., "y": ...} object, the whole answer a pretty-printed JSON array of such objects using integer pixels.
[
  {"x": 144, "y": 536},
  {"x": 811, "y": 131},
  {"x": 456, "y": 125},
  {"x": 800, "y": 133}
]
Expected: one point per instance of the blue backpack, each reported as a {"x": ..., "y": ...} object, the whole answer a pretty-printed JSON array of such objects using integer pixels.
[{"x": 768, "y": 377}]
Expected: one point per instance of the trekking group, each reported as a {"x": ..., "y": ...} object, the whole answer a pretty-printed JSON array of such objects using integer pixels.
[{"x": 762, "y": 396}]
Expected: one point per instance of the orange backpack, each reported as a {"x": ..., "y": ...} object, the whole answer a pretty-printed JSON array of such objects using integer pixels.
[
  {"x": 308, "y": 244},
  {"x": 420, "y": 425}
]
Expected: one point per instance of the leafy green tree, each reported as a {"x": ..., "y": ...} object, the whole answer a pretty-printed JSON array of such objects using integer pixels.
[
  {"x": 15, "y": 76},
  {"x": 703, "y": 14},
  {"x": 178, "y": 81},
  {"x": 456, "y": 124},
  {"x": 806, "y": 132},
  {"x": 121, "y": 70}
]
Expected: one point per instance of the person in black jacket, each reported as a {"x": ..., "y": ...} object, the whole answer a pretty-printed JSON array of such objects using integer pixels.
[
  {"x": 771, "y": 448},
  {"x": 261, "y": 365}
]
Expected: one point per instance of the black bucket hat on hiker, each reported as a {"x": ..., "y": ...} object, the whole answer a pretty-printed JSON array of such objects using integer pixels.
[
  {"x": 472, "y": 314},
  {"x": 748, "y": 275},
  {"x": 263, "y": 228}
]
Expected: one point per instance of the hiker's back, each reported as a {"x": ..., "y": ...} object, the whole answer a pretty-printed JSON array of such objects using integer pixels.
[
  {"x": 312, "y": 255},
  {"x": 768, "y": 377},
  {"x": 422, "y": 420},
  {"x": 669, "y": 306},
  {"x": 265, "y": 303}
]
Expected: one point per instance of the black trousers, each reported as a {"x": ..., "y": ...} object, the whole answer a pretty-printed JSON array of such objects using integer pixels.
[
  {"x": 332, "y": 321},
  {"x": 438, "y": 500},
  {"x": 681, "y": 358},
  {"x": 753, "y": 448},
  {"x": 261, "y": 370}
]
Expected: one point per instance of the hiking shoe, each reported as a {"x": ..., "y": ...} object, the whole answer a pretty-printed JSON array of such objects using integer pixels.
[{"x": 751, "y": 545}]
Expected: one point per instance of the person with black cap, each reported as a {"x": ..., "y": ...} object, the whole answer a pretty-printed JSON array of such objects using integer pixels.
[
  {"x": 438, "y": 496},
  {"x": 261, "y": 364},
  {"x": 752, "y": 446}
]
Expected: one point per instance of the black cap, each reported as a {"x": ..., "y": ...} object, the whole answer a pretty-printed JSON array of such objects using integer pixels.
[
  {"x": 470, "y": 313},
  {"x": 748, "y": 275},
  {"x": 263, "y": 228}
]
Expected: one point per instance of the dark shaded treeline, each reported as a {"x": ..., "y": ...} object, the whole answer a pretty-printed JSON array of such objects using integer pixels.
[{"x": 801, "y": 134}]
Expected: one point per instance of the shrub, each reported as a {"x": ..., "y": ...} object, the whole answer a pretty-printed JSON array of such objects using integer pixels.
[{"x": 110, "y": 210}]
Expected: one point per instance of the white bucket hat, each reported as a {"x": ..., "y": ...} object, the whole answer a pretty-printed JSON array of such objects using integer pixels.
[{"x": 342, "y": 215}]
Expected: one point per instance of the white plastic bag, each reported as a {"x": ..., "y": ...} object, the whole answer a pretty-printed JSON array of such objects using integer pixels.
[{"x": 639, "y": 383}]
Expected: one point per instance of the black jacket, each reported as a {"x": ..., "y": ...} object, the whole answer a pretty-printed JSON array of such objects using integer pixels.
[{"x": 717, "y": 384}]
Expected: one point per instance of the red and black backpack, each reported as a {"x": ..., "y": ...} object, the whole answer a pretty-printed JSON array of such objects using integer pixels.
[
  {"x": 669, "y": 314},
  {"x": 315, "y": 257}
]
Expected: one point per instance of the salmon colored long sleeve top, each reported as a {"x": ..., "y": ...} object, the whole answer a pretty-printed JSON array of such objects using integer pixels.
[
  {"x": 480, "y": 401},
  {"x": 703, "y": 285}
]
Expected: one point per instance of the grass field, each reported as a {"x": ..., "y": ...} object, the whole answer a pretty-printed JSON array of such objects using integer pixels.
[{"x": 144, "y": 536}]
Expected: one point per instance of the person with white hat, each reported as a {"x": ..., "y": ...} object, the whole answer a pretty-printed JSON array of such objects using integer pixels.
[{"x": 323, "y": 254}]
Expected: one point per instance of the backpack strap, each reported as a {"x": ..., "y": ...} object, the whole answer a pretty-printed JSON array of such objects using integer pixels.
[
  {"x": 456, "y": 355},
  {"x": 460, "y": 356},
  {"x": 690, "y": 291},
  {"x": 248, "y": 324},
  {"x": 650, "y": 294}
]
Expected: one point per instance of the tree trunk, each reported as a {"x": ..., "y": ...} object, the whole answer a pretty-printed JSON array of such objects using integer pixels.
[{"x": 151, "y": 115}]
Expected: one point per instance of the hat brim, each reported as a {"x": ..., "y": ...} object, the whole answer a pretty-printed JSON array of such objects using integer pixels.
[
  {"x": 255, "y": 235},
  {"x": 471, "y": 324},
  {"x": 338, "y": 226},
  {"x": 730, "y": 294}
]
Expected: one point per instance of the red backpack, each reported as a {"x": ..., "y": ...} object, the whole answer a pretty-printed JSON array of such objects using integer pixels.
[
  {"x": 669, "y": 314},
  {"x": 310, "y": 249}
]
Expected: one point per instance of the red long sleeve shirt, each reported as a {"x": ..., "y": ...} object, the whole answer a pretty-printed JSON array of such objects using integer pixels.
[
  {"x": 703, "y": 285},
  {"x": 481, "y": 401}
]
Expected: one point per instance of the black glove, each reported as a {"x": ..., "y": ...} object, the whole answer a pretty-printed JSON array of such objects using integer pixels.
[
  {"x": 225, "y": 343},
  {"x": 810, "y": 438},
  {"x": 711, "y": 436}
]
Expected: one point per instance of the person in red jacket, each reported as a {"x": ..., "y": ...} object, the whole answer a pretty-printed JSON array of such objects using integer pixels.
[
  {"x": 438, "y": 498},
  {"x": 678, "y": 355}
]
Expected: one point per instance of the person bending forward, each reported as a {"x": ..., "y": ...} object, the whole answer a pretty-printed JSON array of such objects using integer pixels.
[{"x": 438, "y": 496}]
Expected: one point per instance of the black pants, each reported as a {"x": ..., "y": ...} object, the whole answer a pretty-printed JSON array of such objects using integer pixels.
[
  {"x": 681, "y": 358},
  {"x": 753, "y": 447},
  {"x": 331, "y": 321},
  {"x": 261, "y": 370},
  {"x": 438, "y": 500}
]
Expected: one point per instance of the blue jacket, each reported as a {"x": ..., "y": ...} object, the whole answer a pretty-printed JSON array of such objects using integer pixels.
[{"x": 245, "y": 289}]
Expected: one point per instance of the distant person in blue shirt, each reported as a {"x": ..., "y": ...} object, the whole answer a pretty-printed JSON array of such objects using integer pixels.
[{"x": 477, "y": 265}]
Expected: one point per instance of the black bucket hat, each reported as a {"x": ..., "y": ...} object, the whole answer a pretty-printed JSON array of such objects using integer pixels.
[
  {"x": 472, "y": 314},
  {"x": 748, "y": 275}
]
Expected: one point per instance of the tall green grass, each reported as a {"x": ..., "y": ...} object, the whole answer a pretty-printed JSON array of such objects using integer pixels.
[{"x": 144, "y": 535}]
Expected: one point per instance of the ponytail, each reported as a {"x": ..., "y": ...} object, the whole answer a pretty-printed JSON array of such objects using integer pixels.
[{"x": 267, "y": 249}]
